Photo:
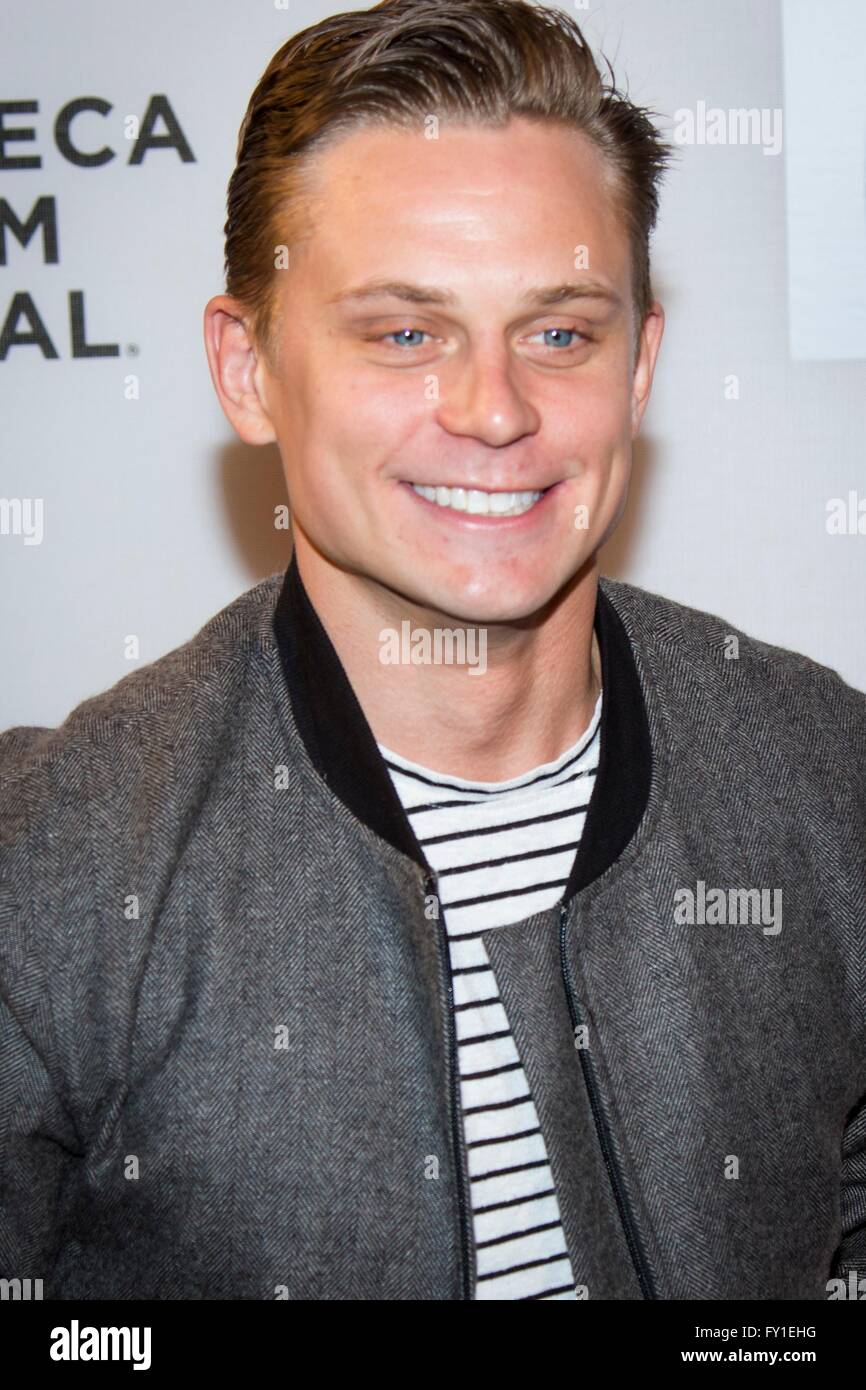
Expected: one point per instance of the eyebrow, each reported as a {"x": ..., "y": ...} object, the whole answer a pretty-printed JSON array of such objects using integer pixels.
[{"x": 544, "y": 296}]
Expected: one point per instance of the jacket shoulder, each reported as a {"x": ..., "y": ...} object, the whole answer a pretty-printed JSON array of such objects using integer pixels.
[
  {"x": 191, "y": 680},
  {"x": 760, "y": 674},
  {"x": 79, "y": 803},
  {"x": 99, "y": 808}
]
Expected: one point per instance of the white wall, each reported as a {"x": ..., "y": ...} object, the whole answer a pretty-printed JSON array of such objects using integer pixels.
[{"x": 155, "y": 516}]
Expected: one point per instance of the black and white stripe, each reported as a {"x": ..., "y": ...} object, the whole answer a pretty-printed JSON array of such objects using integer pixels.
[{"x": 502, "y": 851}]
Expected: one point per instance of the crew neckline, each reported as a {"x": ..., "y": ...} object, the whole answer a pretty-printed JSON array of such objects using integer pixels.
[
  {"x": 340, "y": 750},
  {"x": 537, "y": 773}
]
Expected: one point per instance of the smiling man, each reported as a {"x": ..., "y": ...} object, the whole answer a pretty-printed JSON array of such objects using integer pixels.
[{"x": 330, "y": 972}]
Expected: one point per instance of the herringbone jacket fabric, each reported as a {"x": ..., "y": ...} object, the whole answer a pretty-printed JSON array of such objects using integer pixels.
[{"x": 227, "y": 1063}]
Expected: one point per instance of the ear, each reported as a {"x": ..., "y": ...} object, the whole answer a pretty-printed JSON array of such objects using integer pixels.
[
  {"x": 648, "y": 347},
  {"x": 233, "y": 361}
]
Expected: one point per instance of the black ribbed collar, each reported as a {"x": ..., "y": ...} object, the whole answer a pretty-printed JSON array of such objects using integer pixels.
[{"x": 342, "y": 747}]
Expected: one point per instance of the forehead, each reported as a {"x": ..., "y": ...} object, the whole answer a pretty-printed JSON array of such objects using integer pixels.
[{"x": 467, "y": 204}]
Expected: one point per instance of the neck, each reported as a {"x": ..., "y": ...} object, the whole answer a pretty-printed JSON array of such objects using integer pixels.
[{"x": 540, "y": 683}]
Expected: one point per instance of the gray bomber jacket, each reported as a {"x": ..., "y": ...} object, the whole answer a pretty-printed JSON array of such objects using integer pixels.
[{"x": 227, "y": 1056}]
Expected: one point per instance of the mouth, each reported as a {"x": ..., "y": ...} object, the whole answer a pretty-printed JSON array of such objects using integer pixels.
[{"x": 478, "y": 503}]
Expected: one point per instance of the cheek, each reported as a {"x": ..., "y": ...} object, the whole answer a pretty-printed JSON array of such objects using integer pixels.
[
  {"x": 591, "y": 406},
  {"x": 592, "y": 431},
  {"x": 375, "y": 426},
  {"x": 331, "y": 426}
]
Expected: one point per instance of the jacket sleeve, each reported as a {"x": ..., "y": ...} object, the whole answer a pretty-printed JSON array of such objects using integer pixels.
[
  {"x": 848, "y": 706},
  {"x": 852, "y": 1250},
  {"x": 39, "y": 1153}
]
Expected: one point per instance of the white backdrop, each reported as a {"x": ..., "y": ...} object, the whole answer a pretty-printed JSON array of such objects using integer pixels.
[{"x": 154, "y": 515}]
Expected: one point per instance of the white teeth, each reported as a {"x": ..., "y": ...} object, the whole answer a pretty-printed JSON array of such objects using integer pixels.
[{"x": 480, "y": 503}]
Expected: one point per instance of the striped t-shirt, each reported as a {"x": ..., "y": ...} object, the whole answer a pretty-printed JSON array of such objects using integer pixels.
[{"x": 501, "y": 851}]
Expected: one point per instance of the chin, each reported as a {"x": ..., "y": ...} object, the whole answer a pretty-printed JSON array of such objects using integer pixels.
[{"x": 483, "y": 604}]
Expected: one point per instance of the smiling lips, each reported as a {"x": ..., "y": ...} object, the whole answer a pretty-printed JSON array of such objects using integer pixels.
[{"x": 479, "y": 503}]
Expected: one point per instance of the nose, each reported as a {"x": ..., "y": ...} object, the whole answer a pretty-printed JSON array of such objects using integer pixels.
[{"x": 481, "y": 398}]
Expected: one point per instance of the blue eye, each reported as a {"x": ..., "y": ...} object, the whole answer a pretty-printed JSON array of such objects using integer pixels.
[
  {"x": 403, "y": 334},
  {"x": 569, "y": 332}
]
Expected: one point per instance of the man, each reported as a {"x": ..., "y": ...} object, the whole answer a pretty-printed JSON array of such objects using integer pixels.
[{"x": 442, "y": 921}]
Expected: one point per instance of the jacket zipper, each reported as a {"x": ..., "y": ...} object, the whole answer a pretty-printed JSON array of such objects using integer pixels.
[
  {"x": 468, "y": 1256},
  {"x": 629, "y": 1224}
]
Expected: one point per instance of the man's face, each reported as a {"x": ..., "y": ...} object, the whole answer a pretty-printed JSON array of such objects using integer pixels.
[{"x": 466, "y": 380}]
